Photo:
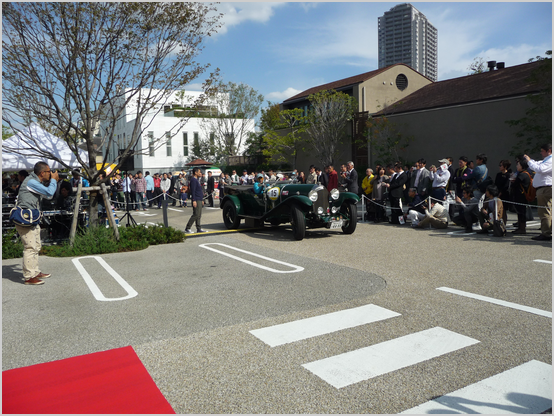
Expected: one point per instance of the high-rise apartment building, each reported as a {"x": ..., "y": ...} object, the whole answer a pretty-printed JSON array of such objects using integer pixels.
[{"x": 406, "y": 36}]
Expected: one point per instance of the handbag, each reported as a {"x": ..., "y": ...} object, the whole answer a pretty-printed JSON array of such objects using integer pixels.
[
  {"x": 483, "y": 183},
  {"x": 529, "y": 213},
  {"x": 498, "y": 228},
  {"x": 25, "y": 217}
]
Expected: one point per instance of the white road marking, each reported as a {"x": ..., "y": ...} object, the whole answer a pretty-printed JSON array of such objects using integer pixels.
[
  {"x": 355, "y": 366},
  {"x": 322, "y": 324},
  {"x": 175, "y": 209},
  {"x": 462, "y": 232},
  {"x": 544, "y": 261},
  {"x": 498, "y": 302},
  {"x": 131, "y": 293},
  {"x": 294, "y": 269},
  {"x": 532, "y": 223},
  {"x": 525, "y": 389}
]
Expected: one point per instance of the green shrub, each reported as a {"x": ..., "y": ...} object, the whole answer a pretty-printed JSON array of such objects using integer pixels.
[
  {"x": 12, "y": 247},
  {"x": 100, "y": 240}
]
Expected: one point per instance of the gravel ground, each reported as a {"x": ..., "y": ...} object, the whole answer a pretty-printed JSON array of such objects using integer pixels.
[{"x": 190, "y": 323}]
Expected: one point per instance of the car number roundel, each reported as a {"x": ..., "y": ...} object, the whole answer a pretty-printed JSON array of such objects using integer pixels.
[{"x": 273, "y": 193}]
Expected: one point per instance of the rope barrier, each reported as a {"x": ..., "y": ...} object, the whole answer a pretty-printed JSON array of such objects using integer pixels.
[{"x": 454, "y": 203}]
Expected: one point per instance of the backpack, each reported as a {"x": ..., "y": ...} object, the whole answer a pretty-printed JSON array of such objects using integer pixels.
[{"x": 531, "y": 192}]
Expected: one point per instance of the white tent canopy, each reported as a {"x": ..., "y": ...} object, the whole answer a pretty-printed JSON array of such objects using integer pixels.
[{"x": 28, "y": 154}]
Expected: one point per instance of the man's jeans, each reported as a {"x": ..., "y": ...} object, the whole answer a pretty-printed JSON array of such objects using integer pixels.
[{"x": 141, "y": 200}]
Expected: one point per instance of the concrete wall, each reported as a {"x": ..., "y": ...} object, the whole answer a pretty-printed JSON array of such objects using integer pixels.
[
  {"x": 381, "y": 90},
  {"x": 462, "y": 130}
]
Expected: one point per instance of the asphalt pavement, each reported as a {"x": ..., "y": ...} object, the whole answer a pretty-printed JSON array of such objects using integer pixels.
[{"x": 194, "y": 312}]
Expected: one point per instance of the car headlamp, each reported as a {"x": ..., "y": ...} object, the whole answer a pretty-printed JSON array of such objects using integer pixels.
[
  {"x": 313, "y": 195},
  {"x": 335, "y": 194},
  {"x": 320, "y": 211},
  {"x": 334, "y": 210}
]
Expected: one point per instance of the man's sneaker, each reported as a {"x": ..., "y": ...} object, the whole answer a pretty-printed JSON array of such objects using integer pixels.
[
  {"x": 43, "y": 275},
  {"x": 34, "y": 281},
  {"x": 200, "y": 230},
  {"x": 187, "y": 231}
]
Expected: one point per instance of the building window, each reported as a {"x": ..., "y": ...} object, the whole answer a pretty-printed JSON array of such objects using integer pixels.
[
  {"x": 151, "y": 143},
  {"x": 168, "y": 143},
  {"x": 401, "y": 82},
  {"x": 196, "y": 139},
  {"x": 185, "y": 143}
]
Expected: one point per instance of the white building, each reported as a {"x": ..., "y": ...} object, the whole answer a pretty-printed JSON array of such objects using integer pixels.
[
  {"x": 406, "y": 36},
  {"x": 175, "y": 148}
]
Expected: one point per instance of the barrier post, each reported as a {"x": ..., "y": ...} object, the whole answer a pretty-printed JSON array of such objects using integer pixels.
[{"x": 164, "y": 205}]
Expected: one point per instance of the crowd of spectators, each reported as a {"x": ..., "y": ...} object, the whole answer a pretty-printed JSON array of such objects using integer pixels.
[{"x": 468, "y": 196}]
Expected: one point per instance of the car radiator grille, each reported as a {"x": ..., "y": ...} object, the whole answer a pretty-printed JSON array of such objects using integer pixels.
[{"x": 322, "y": 200}]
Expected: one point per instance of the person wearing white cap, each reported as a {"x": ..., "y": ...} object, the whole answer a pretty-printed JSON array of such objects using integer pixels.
[{"x": 440, "y": 177}]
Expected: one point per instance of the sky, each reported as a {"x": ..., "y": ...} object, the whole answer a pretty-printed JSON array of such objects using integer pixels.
[{"x": 281, "y": 49}]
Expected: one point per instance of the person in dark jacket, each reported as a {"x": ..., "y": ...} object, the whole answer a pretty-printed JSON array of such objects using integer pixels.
[
  {"x": 197, "y": 196},
  {"x": 210, "y": 188},
  {"x": 520, "y": 182},
  {"x": 396, "y": 189},
  {"x": 502, "y": 182}
]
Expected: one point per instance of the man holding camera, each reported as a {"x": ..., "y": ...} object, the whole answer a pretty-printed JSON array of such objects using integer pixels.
[{"x": 41, "y": 182}]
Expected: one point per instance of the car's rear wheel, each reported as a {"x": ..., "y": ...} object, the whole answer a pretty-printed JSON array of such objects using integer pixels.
[
  {"x": 230, "y": 215},
  {"x": 298, "y": 223},
  {"x": 350, "y": 211}
]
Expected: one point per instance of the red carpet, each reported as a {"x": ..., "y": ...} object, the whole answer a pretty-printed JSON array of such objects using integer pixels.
[{"x": 113, "y": 381}]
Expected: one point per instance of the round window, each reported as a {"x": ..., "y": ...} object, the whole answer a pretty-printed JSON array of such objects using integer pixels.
[{"x": 401, "y": 82}]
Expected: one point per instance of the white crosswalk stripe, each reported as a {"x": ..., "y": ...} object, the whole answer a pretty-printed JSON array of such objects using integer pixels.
[
  {"x": 365, "y": 363},
  {"x": 525, "y": 389},
  {"x": 323, "y": 324}
]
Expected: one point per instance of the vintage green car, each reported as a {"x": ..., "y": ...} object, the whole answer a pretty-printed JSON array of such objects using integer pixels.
[{"x": 304, "y": 206}]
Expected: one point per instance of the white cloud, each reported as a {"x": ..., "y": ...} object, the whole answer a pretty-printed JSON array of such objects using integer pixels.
[
  {"x": 194, "y": 87},
  {"x": 351, "y": 36},
  {"x": 237, "y": 13},
  {"x": 282, "y": 96},
  {"x": 307, "y": 6},
  {"x": 510, "y": 55}
]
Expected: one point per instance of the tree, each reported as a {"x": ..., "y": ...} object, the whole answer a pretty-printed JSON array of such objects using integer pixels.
[
  {"x": 386, "y": 140},
  {"x": 6, "y": 132},
  {"x": 284, "y": 139},
  {"x": 535, "y": 128},
  {"x": 237, "y": 106},
  {"x": 326, "y": 122},
  {"x": 478, "y": 66},
  {"x": 71, "y": 66}
]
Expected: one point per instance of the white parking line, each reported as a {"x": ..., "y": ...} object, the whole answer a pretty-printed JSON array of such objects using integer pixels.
[
  {"x": 294, "y": 268},
  {"x": 544, "y": 261},
  {"x": 131, "y": 293},
  {"x": 355, "y": 366},
  {"x": 497, "y": 302},
  {"x": 322, "y": 324},
  {"x": 525, "y": 389}
]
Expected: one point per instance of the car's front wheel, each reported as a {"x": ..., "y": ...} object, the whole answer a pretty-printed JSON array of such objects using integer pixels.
[
  {"x": 298, "y": 223},
  {"x": 230, "y": 215},
  {"x": 350, "y": 211}
]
